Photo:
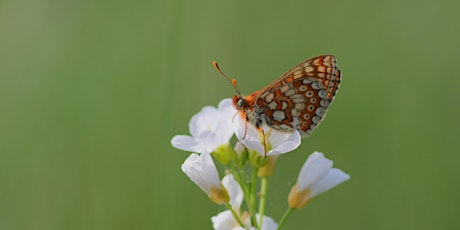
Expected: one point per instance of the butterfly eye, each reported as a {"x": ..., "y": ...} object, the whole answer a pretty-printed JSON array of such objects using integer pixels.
[{"x": 241, "y": 103}]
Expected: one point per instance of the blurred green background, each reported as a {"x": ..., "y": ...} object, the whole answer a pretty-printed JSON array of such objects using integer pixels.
[{"x": 91, "y": 93}]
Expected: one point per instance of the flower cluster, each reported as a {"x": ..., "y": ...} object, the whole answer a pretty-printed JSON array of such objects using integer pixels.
[{"x": 211, "y": 132}]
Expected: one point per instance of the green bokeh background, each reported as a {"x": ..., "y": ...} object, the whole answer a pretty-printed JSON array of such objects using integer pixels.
[{"x": 91, "y": 93}]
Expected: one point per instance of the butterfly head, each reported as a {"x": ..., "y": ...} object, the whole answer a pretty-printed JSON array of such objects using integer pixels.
[{"x": 239, "y": 102}]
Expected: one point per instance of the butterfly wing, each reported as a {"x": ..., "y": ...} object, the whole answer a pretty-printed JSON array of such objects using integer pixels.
[{"x": 300, "y": 98}]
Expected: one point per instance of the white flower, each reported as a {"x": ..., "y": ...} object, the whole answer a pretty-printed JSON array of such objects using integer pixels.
[
  {"x": 226, "y": 221},
  {"x": 210, "y": 128},
  {"x": 279, "y": 142},
  {"x": 315, "y": 177},
  {"x": 234, "y": 191},
  {"x": 202, "y": 171},
  {"x": 267, "y": 223}
]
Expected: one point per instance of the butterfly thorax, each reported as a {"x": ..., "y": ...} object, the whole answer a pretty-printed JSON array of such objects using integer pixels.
[{"x": 249, "y": 111}]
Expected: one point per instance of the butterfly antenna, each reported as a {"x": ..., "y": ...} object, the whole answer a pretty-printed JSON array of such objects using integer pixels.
[{"x": 233, "y": 81}]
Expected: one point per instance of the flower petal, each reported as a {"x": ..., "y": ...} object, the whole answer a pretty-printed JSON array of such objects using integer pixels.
[
  {"x": 202, "y": 171},
  {"x": 234, "y": 191},
  {"x": 250, "y": 133},
  {"x": 315, "y": 168},
  {"x": 281, "y": 142},
  {"x": 267, "y": 223},
  {"x": 333, "y": 178},
  {"x": 284, "y": 144},
  {"x": 207, "y": 118},
  {"x": 223, "y": 221},
  {"x": 184, "y": 142}
]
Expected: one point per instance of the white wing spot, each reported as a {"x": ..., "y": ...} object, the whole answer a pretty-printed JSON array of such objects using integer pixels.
[
  {"x": 284, "y": 105},
  {"x": 289, "y": 93},
  {"x": 295, "y": 112},
  {"x": 324, "y": 103},
  {"x": 321, "y": 69},
  {"x": 316, "y": 85},
  {"x": 320, "y": 111},
  {"x": 307, "y": 81},
  {"x": 269, "y": 97},
  {"x": 316, "y": 119},
  {"x": 284, "y": 88},
  {"x": 298, "y": 100},
  {"x": 272, "y": 105},
  {"x": 308, "y": 69},
  {"x": 285, "y": 127},
  {"x": 322, "y": 93},
  {"x": 300, "y": 106},
  {"x": 279, "y": 115}
]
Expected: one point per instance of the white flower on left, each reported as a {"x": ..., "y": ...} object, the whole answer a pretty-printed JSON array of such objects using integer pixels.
[
  {"x": 210, "y": 128},
  {"x": 226, "y": 221},
  {"x": 203, "y": 172}
]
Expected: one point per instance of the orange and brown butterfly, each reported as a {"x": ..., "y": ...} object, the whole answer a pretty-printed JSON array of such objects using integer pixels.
[{"x": 297, "y": 100}]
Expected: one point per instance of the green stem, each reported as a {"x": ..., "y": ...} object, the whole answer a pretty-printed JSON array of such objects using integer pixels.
[
  {"x": 263, "y": 196},
  {"x": 253, "y": 197},
  {"x": 238, "y": 177},
  {"x": 285, "y": 216},
  {"x": 235, "y": 215}
]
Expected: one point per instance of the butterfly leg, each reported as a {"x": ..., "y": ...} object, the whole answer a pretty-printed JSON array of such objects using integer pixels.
[
  {"x": 264, "y": 142},
  {"x": 245, "y": 130}
]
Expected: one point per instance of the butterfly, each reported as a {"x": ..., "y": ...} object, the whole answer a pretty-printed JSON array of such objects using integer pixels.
[{"x": 297, "y": 100}]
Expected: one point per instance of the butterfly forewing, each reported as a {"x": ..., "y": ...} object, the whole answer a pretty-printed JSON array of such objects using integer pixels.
[{"x": 300, "y": 98}]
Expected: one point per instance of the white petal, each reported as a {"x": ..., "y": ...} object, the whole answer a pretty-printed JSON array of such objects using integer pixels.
[
  {"x": 332, "y": 179},
  {"x": 207, "y": 118},
  {"x": 223, "y": 221},
  {"x": 224, "y": 131},
  {"x": 183, "y": 142},
  {"x": 202, "y": 171},
  {"x": 314, "y": 169},
  {"x": 281, "y": 142},
  {"x": 191, "y": 167},
  {"x": 226, "y": 107},
  {"x": 209, "y": 128},
  {"x": 287, "y": 143},
  {"x": 267, "y": 223},
  {"x": 209, "y": 169},
  {"x": 234, "y": 191},
  {"x": 251, "y": 139}
]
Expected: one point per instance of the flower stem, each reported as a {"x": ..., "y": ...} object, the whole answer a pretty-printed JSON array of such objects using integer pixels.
[
  {"x": 253, "y": 197},
  {"x": 263, "y": 196},
  {"x": 285, "y": 216},
  {"x": 239, "y": 177},
  {"x": 235, "y": 215}
]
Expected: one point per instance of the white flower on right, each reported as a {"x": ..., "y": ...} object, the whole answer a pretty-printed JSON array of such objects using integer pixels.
[
  {"x": 315, "y": 177},
  {"x": 210, "y": 128}
]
